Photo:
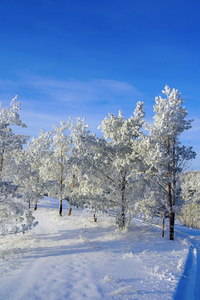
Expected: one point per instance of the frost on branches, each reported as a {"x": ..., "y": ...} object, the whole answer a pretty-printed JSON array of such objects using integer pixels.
[
  {"x": 14, "y": 216},
  {"x": 80, "y": 165},
  {"x": 32, "y": 186},
  {"x": 190, "y": 193},
  {"x": 122, "y": 173},
  {"x": 54, "y": 167},
  {"x": 168, "y": 157},
  {"x": 121, "y": 161},
  {"x": 112, "y": 165}
]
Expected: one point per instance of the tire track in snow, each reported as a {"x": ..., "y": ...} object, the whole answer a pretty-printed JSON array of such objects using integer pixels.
[
  {"x": 186, "y": 286},
  {"x": 197, "y": 283},
  {"x": 189, "y": 284}
]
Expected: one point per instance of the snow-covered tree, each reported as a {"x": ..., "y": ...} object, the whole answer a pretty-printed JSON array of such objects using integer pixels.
[
  {"x": 190, "y": 193},
  {"x": 123, "y": 159},
  {"x": 167, "y": 157},
  {"x": 14, "y": 216},
  {"x": 28, "y": 167},
  {"x": 112, "y": 165},
  {"x": 79, "y": 184},
  {"x": 54, "y": 168},
  {"x": 85, "y": 191},
  {"x": 10, "y": 143}
]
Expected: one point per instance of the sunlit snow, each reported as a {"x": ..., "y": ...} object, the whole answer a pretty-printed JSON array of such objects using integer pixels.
[{"x": 75, "y": 258}]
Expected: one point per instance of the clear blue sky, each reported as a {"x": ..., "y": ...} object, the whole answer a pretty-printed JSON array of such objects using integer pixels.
[{"x": 89, "y": 58}]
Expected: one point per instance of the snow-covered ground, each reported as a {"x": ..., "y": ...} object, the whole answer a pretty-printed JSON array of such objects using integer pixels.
[{"x": 75, "y": 258}]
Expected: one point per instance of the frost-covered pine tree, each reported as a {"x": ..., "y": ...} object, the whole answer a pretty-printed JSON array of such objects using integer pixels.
[
  {"x": 124, "y": 160},
  {"x": 113, "y": 165},
  {"x": 55, "y": 167},
  {"x": 10, "y": 143},
  {"x": 167, "y": 156},
  {"x": 88, "y": 188},
  {"x": 78, "y": 165},
  {"x": 28, "y": 167},
  {"x": 14, "y": 217}
]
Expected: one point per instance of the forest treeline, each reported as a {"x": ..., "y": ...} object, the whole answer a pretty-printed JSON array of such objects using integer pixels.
[{"x": 134, "y": 168}]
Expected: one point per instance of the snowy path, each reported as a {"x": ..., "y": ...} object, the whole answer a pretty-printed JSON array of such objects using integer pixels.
[
  {"x": 189, "y": 284},
  {"x": 74, "y": 258},
  {"x": 50, "y": 267}
]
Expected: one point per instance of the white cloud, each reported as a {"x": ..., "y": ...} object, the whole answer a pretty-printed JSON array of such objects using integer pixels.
[
  {"x": 78, "y": 91},
  {"x": 54, "y": 99}
]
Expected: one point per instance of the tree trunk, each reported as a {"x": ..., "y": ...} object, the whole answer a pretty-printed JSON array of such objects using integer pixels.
[
  {"x": 70, "y": 211},
  {"x": 1, "y": 163},
  {"x": 29, "y": 203},
  {"x": 173, "y": 193},
  {"x": 60, "y": 208},
  {"x": 72, "y": 188},
  {"x": 35, "y": 205},
  {"x": 170, "y": 200},
  {"x": 61, "y": 184},
  {"x": 171, "y": 214},
  {"x": 184, "y": 221},
  {"x": 171, "y": 224},
  {"x": 95, "y": 218},
  {"x": 123, "y": 205},
  {"x": 163, "y": 225}
]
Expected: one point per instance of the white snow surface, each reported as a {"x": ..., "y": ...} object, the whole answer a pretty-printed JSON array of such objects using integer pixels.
[{"x": 74, "y": 258}]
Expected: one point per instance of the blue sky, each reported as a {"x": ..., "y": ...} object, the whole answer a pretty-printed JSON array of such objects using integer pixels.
[{"x": 89, "y": 58}]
